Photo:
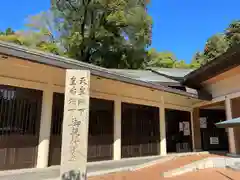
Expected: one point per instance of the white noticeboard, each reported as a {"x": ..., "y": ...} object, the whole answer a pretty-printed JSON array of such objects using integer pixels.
[
  {"x": 214, "y": 140},
  {"x": 203, "y": 122},
  {"x": 186, "y": 128},
  {"x": 180, "y": 126}
]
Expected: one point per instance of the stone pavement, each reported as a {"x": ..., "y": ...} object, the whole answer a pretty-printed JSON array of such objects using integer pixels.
[{"x": 154, "y": 172}]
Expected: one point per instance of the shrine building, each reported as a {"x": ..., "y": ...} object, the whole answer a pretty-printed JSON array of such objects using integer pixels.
[{"x": 133, "y": 113}]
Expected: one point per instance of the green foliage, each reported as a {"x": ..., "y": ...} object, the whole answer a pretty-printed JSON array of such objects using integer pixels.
[
  {"x": 218, "y": 44},
  {"x": 39, "y": 34},
  {"x": 181, "y": 64},
  {"x": 197, "y": 60},
  {"x": 110, "y": 33},
  {"x": 164, "y": 60},
  {"x": 10, "y": 36},
  {"x": 215, "y": 46},
  {"x": 233, "y": 33},
  {"x": 160, "y": 59},
  {"x": 8, "y": 31},
  {"x": 13, "y": 38}
]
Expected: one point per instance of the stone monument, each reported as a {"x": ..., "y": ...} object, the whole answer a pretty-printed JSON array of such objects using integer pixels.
[{"x": 75, "y": 125}]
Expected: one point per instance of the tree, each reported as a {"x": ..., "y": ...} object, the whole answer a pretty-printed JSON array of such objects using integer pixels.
[
  {"x": 8, "y": 31},
  {"x": 164, "y": 59},
  {"x": 42, "y": 32},
  {"x": 38, "y": 34},
  {"x": 233, "y": 33},
  {"x": 181, "y": 65},
  {"x": 160, "y": 59},
  {"x": 110, "y": 33},
  {"x": 218, "y": 44},
  {"x": 214, "y": 47},
  {"x": 44, "y": 24},
  {"x": 10, "y": 36},
  {"x": 198, "y": 60}
]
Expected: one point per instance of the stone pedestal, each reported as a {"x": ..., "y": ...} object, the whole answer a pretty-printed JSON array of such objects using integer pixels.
[{"x": 75, "y": 126}]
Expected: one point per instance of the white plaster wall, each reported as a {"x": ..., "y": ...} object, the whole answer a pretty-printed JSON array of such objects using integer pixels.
[{"x": 225, "y": 86}]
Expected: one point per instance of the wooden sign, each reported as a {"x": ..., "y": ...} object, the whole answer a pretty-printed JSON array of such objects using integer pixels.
[{"x": 214, "y": 140}]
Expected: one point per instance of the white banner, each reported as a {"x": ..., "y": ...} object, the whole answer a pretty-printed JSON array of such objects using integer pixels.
[
  {"x": 186, "y": 128},
  {"x": 203, "y": 122},
  {"x": 214, "y": 140}
]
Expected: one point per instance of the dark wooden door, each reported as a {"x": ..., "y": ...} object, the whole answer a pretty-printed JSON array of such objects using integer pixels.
[
  {"x": 20, "y": 112},
  {"x": 140, "y": 130},
  {"x": 176, "y": 140},
  {"x": 100, "y": 138},
  {"x": 211, "y": 131},
  {"x": 56, "y": 129}
]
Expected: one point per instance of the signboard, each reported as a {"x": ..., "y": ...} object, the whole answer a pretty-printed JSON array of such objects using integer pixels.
[
  {"x": 203, "y": 122},
  {"x": 214, "y": 140},
  {"x": 186, "y": 128},
  {"x": 75, "y": 125},
  {"x": 180, "y": 126}
]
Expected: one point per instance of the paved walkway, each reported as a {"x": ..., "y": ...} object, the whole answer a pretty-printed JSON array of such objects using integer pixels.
[{"x": 154, "y": 172}]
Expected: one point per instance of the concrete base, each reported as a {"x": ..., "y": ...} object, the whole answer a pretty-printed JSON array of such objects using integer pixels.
[
  {"x": 197, "y": 150},
  {"x": 233, "y": 155},
  {"x": 214, "y": 162},
  {"x": 93, "y": 168}
]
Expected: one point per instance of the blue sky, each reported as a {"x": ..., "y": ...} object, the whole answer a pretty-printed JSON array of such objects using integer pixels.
[{"x": 180, "y": 26}]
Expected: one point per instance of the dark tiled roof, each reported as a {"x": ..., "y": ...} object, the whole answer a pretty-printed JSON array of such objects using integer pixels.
[
  {"x": 67, "y": 63},
  {"x": 172, "y": 72},
  {"x": 145, "y": 75}
]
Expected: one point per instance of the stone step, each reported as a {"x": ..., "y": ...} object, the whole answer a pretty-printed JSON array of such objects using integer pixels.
[
  {"x": 95, "y": 168},
  {"x": 235, "y": 167}
]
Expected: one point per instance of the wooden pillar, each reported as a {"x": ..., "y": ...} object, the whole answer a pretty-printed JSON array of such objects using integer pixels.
[
  {"x": 163, "y": 142},
  {"x": 45, "y": 128},
  {"x": 117, "y": 130},
  {"x": 231, "y": 138},
  {"x": 192, "y": 132},
  {"x": 197, "y": 146}
]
